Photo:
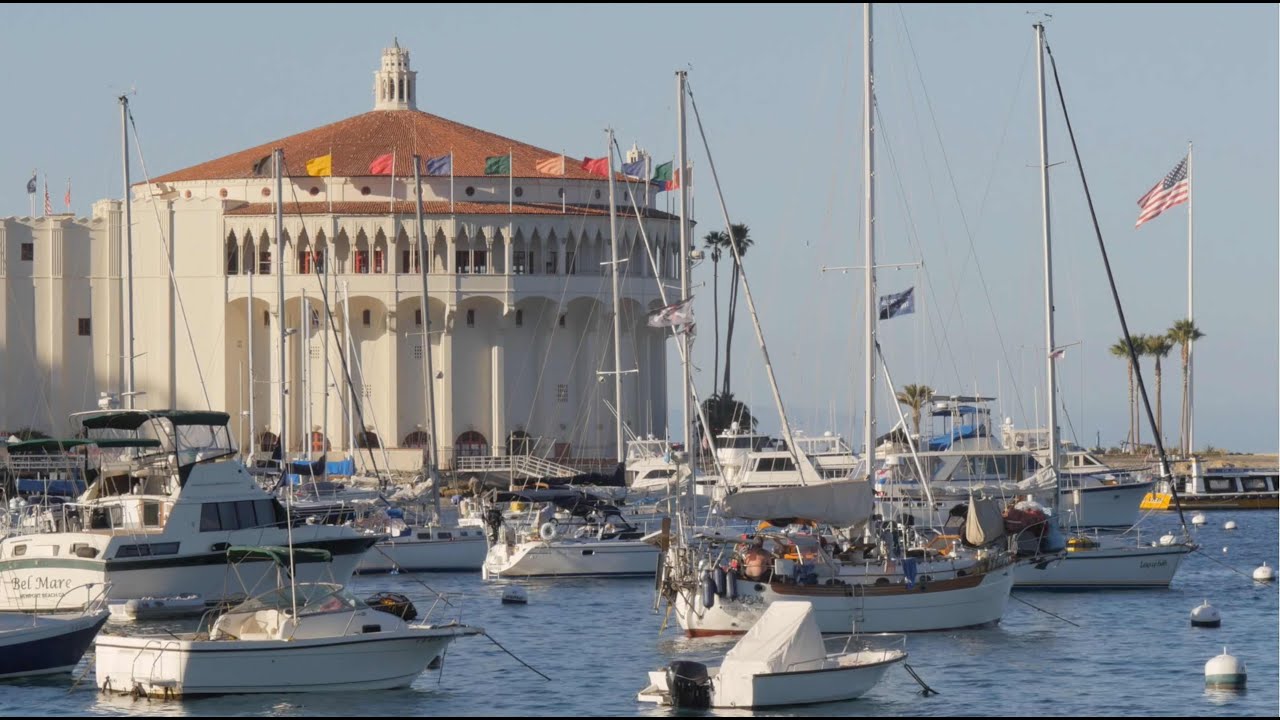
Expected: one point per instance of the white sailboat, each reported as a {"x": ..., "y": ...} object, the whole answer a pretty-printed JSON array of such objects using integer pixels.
[
  {"x": 587, "y": 537},
  {"x": 886, "y": 580},
  {"x": 435, "y": 546},
  {"x": 1099, "y": 560}
]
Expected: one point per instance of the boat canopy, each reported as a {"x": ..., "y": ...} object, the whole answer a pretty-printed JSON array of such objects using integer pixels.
[
  {"x": 785, "y": 639},
  {"x": 844, "y": 503},
  {"x": 52, "y": 445},
  {"x": 134, "y": 419}
]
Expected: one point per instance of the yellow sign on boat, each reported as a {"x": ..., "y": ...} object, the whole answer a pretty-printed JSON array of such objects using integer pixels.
[{"x": 1156, "y": 501}]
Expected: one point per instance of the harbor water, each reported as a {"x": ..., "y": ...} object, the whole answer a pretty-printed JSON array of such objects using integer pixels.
[{"x": 1129, "y": 652}]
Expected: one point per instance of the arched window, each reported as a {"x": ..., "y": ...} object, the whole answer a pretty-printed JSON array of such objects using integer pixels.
[
  {"x": 417, "y": 439},
  {"x": 470, "y": 444}
]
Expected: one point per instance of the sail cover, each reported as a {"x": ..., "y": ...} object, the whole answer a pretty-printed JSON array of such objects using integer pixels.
[{"x": 844, "y": 503}]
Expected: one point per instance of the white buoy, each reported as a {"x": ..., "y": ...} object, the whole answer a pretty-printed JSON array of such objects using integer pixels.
[
  {"x": 1265, "y": 573},
  {"x": 1225, "y": 671},
  {"x": 1205, "y": 615},
  {"x": 514, "y": 595},
  {"x": 1167, "y": 539},
  {"x": 1229, "y": 525},
  {"x": 1199, "y": 519}
]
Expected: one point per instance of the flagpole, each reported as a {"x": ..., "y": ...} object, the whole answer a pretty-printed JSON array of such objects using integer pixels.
[
  {"x": 428, "y": 374},
  {"x": 1191, "y": 311},
  {"x": 511, "y": 198},
  {"x": 391, "y": 206},
  {"x": 450, "y": 185}
]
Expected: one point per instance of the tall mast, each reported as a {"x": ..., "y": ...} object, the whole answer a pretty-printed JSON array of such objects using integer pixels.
[
  {"x": 131, "y": 379},
  {"x": 617, "y": 314},
  {"x": 284, "y": 333},
  {"x": 428, "y": 380},
  {"x": 248, "y": 316},
  {"x": 305, "y": 359},
  {"x": 682, "y": 162},
  {"x": 868, "y": 183},
  {"x": 1051, "y": 370}
]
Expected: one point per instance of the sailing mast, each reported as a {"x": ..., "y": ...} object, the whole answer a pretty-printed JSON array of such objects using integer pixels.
[
  {"x": 682, "y": 162},
  {"x": 130, "y": 384},
  {"x": 617, "y": 315},
  {"x": 428, "y": 379},
  {"x": 278, "y": 157},
  {"x": 1051, "y": 370},
  {"x": 869, "y": 231}
]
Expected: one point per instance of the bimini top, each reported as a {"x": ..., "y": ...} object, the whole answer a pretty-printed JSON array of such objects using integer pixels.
[
  {"x": 134, "y": 419},
  {"x": 277, "y": 554},
  {"x": 55, "y": 445}
]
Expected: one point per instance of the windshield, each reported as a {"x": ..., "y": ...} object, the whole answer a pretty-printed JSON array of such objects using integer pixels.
[{"x": 313, "y": 599}]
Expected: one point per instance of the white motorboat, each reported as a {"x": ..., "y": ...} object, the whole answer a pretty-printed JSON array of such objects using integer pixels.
[
  {"x": 170, "y": 496},
  {"x": 781, "y": 661},
  {"x": 309, "y": 637}
]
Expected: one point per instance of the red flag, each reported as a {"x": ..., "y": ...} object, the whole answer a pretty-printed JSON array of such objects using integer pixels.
[
  {"x": 596, "y": 166},
  {"x": 382, "y": 164}
]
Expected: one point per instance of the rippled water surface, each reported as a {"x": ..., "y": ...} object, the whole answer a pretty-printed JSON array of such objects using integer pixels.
[{"x": 1134, "y": 652}]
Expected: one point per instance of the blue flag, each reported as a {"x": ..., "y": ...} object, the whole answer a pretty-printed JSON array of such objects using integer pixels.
[
  {"x": 634, "y": 169},
  {"x": 903, "y": 303},
  {"x": 442, "y": 165}
]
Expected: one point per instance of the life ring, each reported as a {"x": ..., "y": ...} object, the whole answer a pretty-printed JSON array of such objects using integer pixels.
[{"x": 548, "y": 531}]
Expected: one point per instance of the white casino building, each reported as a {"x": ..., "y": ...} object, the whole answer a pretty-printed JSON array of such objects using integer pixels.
[{"x": 519, "y": 298}]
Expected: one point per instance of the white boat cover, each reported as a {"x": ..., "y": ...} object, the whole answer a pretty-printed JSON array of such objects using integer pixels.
[
  {"x": 784, "y": 639},
  {"x": 844, "y": 503},
  {"x": 984, "y": 524}
]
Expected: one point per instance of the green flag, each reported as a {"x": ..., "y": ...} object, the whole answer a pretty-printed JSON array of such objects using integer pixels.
[
  {"x": 662, "y": 173},
  {"x": 497, "y": 165}
]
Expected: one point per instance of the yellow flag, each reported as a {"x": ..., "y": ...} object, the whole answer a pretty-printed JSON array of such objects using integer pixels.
[{"x": 321, "y": 166}]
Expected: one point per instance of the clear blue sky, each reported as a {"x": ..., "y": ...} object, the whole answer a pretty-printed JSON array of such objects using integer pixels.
[{"x": 779, "y": 91}]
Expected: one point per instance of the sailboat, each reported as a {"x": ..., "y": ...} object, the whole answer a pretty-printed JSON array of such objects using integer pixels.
[
  {"x": 573, "y": 533},
  {"x": 875, "y": 578},
  {"x": 286, "y": 639},
  {"x": 1097, "y": 560},
  {"x": 434, "y": 546}
]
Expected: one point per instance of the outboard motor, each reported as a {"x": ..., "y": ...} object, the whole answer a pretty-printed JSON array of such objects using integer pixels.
[
  {"x": 689, "y": 685},
  {"x": 393, "y": 604}
]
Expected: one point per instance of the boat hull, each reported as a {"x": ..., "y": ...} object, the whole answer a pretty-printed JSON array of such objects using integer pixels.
[
  {"x": 408, "y": 555},
  {"x": 572, "y": 559},
  {"x": 165, "y": 667},
  {"x": 41, "y": 584},
  {"x": 943, "y": 605},
  {"x": 44, "y": 645},
  {"x": 1114, "y": 566}
]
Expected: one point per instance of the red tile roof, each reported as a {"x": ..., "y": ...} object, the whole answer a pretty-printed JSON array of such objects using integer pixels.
[
  {"x": 356, "y": 141},
  {"x": 439, "y": 207}
]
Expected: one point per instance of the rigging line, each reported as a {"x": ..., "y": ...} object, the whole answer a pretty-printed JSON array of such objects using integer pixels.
[
  {"x": 1046, "y": 612},
  {"x": 1165, "y": 472},
  {"x": 177, "y": 293},
  {"x": 356, "y": 405},
  {"x": 503, "y": 649},
  {"x": 973, "y": 252},
  {"x": 914, "y": 236}
]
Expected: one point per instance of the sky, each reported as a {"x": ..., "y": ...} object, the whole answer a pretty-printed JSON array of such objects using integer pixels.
[{"x": 778, "y": 89}]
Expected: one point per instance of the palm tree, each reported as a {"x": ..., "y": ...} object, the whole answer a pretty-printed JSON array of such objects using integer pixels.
[
  {"x": 914, "y": 397},
  {"x": 742, "y": 240},
  {"x": 715, "y": 241},
  {"x": 1159, "y": 346},
  {"x": 1185, "y": 332},
  {"x": 1139, "y": 349},
  {"x": 722, "y": 411},
  {"x": 1121, "y": 350}
]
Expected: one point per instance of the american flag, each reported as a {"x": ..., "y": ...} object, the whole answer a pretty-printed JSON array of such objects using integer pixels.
[
  {"x": 48, "y": 206},
  {"x": 1175, "y": 189},
  {"x": 66, "y": 199}
]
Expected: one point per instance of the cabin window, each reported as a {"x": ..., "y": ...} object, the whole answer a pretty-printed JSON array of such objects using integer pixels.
[
  {"x": 1255, "y": 484},
  {"x": 151, "y": 514},
  {"x": 209, "y": 517},
  {"x": 244, "y": 514},
  {"x": 19, "y": 550},
  {"x": 1220, "y": 485},
  {"x": 265, "y": 510},
  {"x": 227, "y": 516},
  {"x": 442, "y": 535}
]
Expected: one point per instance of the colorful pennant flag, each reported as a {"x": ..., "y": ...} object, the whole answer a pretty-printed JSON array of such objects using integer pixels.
[
  {"x": 442, "y": 165},
  {"x": 497, "y": 165},
  {"x": 551, "y": 166},
  {"x": 596, "y": 166},
  {"x": 320, "y": 166},
  {"x": 895, "y": 304},
  {"x": 382, "y": 165}
]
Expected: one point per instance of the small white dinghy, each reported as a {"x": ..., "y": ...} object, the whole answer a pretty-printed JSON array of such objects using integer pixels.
[
  {"x": 158, "y": 608},
  {"x": 781, "y": 661}
]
